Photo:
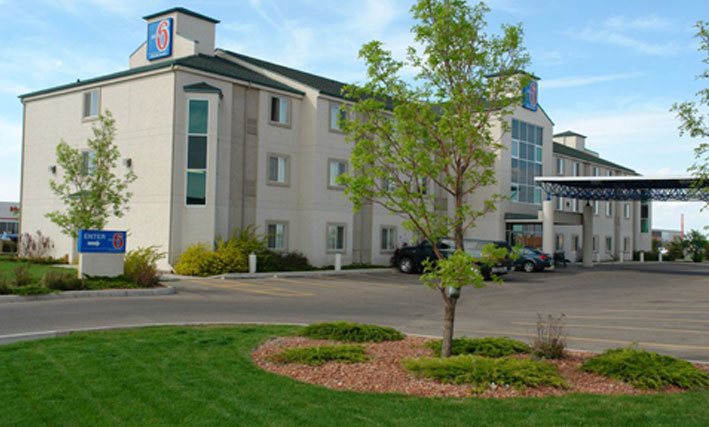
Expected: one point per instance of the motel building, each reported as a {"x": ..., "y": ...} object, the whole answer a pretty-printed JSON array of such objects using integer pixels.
[{"x": 220, "y": 140}]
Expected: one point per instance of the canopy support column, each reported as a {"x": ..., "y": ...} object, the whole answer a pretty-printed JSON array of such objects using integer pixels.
[
  {"x": 548, "y": 226},
  {"x": 587, "y": 236}
]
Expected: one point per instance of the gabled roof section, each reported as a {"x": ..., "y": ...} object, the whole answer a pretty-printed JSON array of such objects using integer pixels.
[
  {"x": 200, "y": 62},
  {"x": 569, "y": 133},
  {"x": 325, "y": 85},
  {"x": 181, "y": 10},
  {"x": 202, "y": 87},
  {"x": 565, "y": 150}
]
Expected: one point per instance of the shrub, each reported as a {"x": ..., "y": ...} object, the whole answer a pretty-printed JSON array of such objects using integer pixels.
[
  {"x": 21, "y": 276},
  {"x": 647, "y": 370},
  {"x": 141, "y": 267},
  {"x": 488, "y": 347},
  {"x": 287, "y": 261},
  {"x": 62, "y": 281},
  {"x": 353, "y": 332},
  {"x": 550, "y": 341},
  {"x": 316, "y": 356},
  {"x": 482, "y": 372},
  {"x": 198, "y": 260},
  {"x": 34, "y": 246},
  {"x": 32, "y": 290},
  {"x": 5, "y": 288}
]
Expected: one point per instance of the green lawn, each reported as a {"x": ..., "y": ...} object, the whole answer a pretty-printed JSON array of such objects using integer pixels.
[
  {"x": 36, "y": 270},
  {"x": 184, "y": 375}
]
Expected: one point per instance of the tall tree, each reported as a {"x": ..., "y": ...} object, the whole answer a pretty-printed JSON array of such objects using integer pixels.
[
  {"x": 423, "y": 149},
  {"x": 89, "y": 187},
  {"x": 693, "y": 117}
]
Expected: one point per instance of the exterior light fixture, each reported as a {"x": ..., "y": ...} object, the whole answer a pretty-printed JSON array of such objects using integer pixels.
[{"x": 52, "y": 169}]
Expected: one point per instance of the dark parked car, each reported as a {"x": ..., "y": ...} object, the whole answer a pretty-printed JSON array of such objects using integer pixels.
[
  {"x": 409, "y": 259},
  {"x": 532, "y": 259}
]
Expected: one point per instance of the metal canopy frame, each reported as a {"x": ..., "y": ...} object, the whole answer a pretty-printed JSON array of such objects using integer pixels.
[{"x": 624, "y": 188}]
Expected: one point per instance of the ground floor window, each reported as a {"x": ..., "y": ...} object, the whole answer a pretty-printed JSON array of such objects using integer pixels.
[
  {"x": 524, "y": 234},
  {"x": 596, "y": 207},
  {"x": 388, "y": 239},
  {"x": 335, "y": 237},
  {"x": 595, "y": 243},
  {"x": 626, "y": 244},
  {"x": 9, "y": 227},
  {"x": 575, "y": 241},
  {"x": 276, "y": 235},
  {"x": 609, "y": 244},
  {"x": 559, "y": 242}
]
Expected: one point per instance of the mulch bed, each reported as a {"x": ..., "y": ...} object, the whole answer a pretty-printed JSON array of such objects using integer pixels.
[{"x": 383, "y": 372}]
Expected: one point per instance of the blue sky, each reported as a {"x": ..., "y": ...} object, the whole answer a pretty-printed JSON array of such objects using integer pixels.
[{"x": 610, "y": 70}]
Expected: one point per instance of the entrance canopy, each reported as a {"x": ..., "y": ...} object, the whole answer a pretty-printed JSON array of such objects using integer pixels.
[{"x": 642, "y": 188}]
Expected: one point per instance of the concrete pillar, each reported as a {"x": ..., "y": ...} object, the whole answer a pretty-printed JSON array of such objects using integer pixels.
[
  {"x": 548, "y": 226},
  {"x": 338, "y": 262},
  {"x": 587, "y": 236}
]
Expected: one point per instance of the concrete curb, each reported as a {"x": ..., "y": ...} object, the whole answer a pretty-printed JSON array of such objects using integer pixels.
[
  {"x": 301, "y": 273},
  {"x": 167, "y": 290}
]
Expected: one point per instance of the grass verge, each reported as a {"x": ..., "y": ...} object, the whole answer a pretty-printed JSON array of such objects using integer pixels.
[{"x": 187, "y": 376}]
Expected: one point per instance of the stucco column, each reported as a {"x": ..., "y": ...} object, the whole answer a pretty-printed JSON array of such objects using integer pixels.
[
  {"x": 587, "y": 236},
  {"x": 548, "y": 226}
]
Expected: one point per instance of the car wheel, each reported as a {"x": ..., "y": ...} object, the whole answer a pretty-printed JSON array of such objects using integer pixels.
[
  {"x": 529, "y": 267},
  {"x": 406, "y": 265}
]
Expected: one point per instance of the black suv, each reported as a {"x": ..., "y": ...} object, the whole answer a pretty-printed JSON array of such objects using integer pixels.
[{"x": 409, "y": 259}]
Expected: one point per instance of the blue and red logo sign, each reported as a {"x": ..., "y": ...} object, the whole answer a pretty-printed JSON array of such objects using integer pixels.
[
  {"x": 530, "y": 95},
  {"x": 159, "y": 39},
  {"x": 102, "y": 241}
]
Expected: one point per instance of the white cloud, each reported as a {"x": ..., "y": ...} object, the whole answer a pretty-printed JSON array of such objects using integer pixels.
[
  {"x": 619, "y": 39},
  {"x": 576, "y": 81},
  {"x": 646, "y": 23},
  {"x": 666, "y": 215}
]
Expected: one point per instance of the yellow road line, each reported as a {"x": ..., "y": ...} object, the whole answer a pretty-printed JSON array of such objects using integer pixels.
[
  {"x": 253, "y": 288},
  {"x": 620, "y": 342},
  {"x": 627, "y": 328},
  {"x": 642, "y": 319}
]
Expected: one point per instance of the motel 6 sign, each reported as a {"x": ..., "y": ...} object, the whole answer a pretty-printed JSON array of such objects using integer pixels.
[
  {"x": 160, "y": 39},
  {"x": 102, "y": 241}
]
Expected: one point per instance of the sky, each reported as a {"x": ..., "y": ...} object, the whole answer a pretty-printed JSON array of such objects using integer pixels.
[{"x": 609, "y": 70}]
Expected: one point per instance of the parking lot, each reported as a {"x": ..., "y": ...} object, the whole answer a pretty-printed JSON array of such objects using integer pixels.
[{"x": 662, "y": 307}]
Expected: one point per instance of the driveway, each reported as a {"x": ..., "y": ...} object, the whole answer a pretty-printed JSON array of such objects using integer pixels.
[{"x": 661, "y": 307}]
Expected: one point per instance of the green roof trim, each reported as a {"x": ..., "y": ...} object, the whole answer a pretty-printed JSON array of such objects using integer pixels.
[
  {"x": 210, "y": 64},
  {"x": 323, "y": 84},
  {"x": 578, "y": 154},
  {"x": 202, "y": 87},
  {"x": 570, "y": 133},
  {"x": 181, "y": 10}
]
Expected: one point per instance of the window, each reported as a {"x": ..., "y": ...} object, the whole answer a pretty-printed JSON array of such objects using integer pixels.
[
  {"x": 197, "y": 128},
  {"x": 574, "y": 205},
  {"x": 644, "y": 217},
  {"x": 88, "y": 162},
  {"x": 280, "y": 110},
  {"x": 9, "y": 227},
  {"x": 335, "y": 169},
  {"x": 596, "y": 171},
  {"x": 388, "y": 242},
  {"x": 559, "y": 203},
  {"x": 335, "y": 237},
  {"x": 576, "y": 169},
  {"x": 576, "y": 242},
  {"x": 526, "y": 162},
  {"x": 388, "y": 185},
  {"x": 559, "y": 166},
  {"x": 626, "y": 244},
  {"x": 609, "y": 208},
  {"x": 278, "y": 169},
  {"x": 91, "y": 107},
  {"x": 596, "y": 207},
  {"x": 276, "y": 238},
  {"x": 336, "y": 115},
  {"x": 559, "y": 242},
  {"x": 626, "y": 210},
  {"x": 595, "y": 243},
  {"x": 609, "y": 244}
]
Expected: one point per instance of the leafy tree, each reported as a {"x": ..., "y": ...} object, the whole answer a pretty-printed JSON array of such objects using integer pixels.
[
  {"x": 693, "y": 117},
  {"x": 697, "y": 245},
  {"x": 438, "y": 131},
  {"x": 89, "y": 187}
]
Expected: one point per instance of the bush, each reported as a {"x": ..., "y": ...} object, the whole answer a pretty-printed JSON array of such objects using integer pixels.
[
  {"x": 287, "y": 261},
  {"x": 21, "y": 276},
  {"x": 481, "y": 372},
  {"x": 350, "y": 331},
  {"x": 62, "y": 281},
  {"x": 32, "y": 290},
  {"x": 316, "y": 356},
  {"x": 198, "y": 260},
  {"x": 34, "y": 246},
  {"x": 550, "y": 341},
  {"x": 141, "y": 267},
  {"x": 647, "y": 370},
  {"x": 487, "y": 347}
]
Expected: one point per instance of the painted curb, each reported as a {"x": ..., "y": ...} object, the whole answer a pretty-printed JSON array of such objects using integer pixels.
[{"x": 167, "y": 290}]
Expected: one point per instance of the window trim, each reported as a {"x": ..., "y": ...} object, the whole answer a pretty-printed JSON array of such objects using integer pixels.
[
  {"x": 272, "y": 122},
  {"x": 187, "y": 151},
  {"x": 270, "y": 182},
  {"x": 329, "y": 116},
  {"x": 286, "y": 231},
  {"x": 329, "y": 173},
  {"x": 91, "y": 118},
  {"x": 626, "y": 210},
  {"x": 396, "y": 236},
  {"x": 344, "y": 237},
  {"x": 609, "y": 208}
]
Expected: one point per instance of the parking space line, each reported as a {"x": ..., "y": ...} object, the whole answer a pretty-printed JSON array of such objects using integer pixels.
[
  {"x": 623, "y": 328},
  {"x": 253, "y": 288},
  {"x": 651, "y": 310},
  {"x": 641, "y": 319}
]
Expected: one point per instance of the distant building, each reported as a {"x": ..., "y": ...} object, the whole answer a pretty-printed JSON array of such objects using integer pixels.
[
  {"x": 9, "y": 221},
  {"x": 665, "y": 236}
]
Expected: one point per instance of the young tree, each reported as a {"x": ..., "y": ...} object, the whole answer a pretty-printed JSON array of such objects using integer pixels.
[
  {"x": 89, "y": 187},
  {"x": 436, "y": 132},
  {"x": 693, "y": 117}
]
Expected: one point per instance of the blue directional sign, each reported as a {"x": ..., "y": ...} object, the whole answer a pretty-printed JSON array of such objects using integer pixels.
[
  {"x": 102, "y": 241},
  {"x": 159, "y": 39}
]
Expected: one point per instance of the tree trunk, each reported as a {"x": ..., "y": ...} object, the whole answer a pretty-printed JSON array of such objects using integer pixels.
[{"x": 448, "y": 324}]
